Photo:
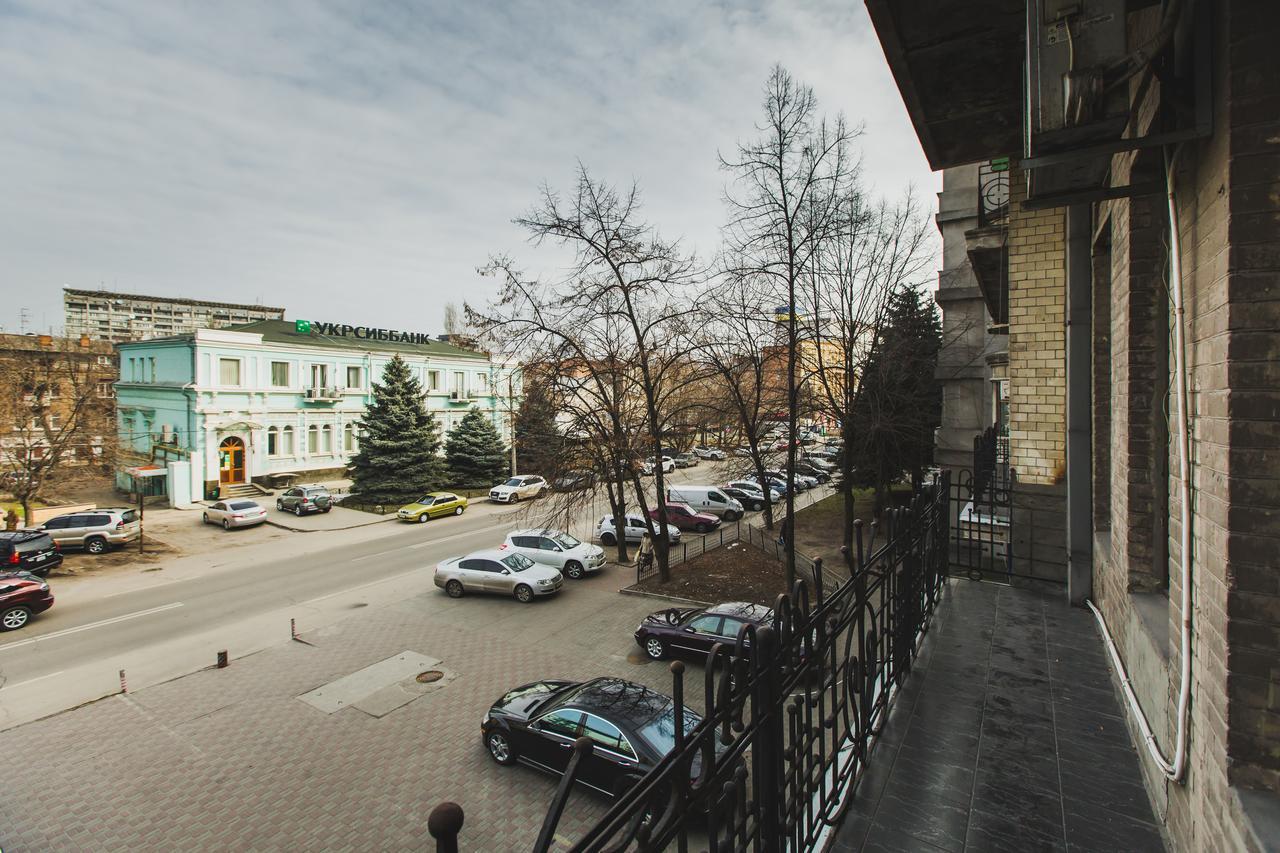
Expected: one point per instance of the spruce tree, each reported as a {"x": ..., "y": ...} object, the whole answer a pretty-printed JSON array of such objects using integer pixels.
[
  {"x": 399, "y": 457},
  {"x": 474, "y": 452},
  {"x": 539, "y": 445}
]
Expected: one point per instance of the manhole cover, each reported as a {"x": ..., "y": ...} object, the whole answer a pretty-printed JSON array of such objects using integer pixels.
[{"x": 430, "y": 676}]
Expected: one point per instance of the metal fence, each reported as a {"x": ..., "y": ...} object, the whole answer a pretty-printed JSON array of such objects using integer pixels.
[{"x": 792, "y": 709}]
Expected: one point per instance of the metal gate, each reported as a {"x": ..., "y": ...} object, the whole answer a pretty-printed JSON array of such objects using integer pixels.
[{"x": 981, "y": 509}]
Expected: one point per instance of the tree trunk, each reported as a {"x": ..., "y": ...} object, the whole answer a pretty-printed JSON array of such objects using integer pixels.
[{"x": 618, "y": 505}]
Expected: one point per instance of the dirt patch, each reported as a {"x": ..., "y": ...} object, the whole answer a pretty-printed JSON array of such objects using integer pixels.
[
  {"x": 79, "y": 564},
  {"x": 736, "y": 572},
  {"x": 819, "y": 528}
]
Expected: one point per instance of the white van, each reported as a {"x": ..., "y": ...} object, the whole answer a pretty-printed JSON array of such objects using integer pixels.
[{"x": 706, "y": 499}]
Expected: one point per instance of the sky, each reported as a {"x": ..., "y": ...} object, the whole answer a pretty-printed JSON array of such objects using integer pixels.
[{"x": 356, "y": 162}]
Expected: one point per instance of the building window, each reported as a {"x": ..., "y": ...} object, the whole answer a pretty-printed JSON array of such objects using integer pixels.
[
  {"x": 313, "y": 439},
  {"x": 349, "y": 438},
  {"x": 482, "y": 383},
  {"x": 229, "y": 372},
  {"x": 286, "y": 441},
  {"x": 273, "y": 441},
  {"x": 319, "y": 376},
  {"x": 280, "y": 374},
  {"x": 106, "y": 388},
  {"x": 460, "y": 383},
  {"x": 326, "y": 436},
  {"x": 354, "y": 380},
  {"x": 151, "y": 362},
  {"x": 433, "y": 380}
]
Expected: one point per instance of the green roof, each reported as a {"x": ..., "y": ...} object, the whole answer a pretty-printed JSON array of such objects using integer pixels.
[{"x": 285, "y": 332}]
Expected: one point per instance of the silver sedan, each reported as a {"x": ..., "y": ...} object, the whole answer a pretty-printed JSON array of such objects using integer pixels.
[
  {"x": 235, "y": 513},
  {"x": 503, "y": 572}
]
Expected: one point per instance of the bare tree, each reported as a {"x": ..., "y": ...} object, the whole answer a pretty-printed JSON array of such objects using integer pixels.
[
  {"x": 617, "y": 317},
  {"x": 877, "y": 249},
  {"x": 55, "y": 411},
  {"x": 784, "y": 205}
]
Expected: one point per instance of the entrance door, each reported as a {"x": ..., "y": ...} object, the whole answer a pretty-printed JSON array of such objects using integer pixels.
[{"x": 231, "y": 461}]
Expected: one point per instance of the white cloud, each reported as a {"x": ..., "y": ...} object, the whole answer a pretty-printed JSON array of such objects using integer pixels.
[{"x": 360, "y": 162}]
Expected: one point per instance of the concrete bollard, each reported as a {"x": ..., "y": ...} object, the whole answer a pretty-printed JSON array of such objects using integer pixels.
[
  {"x": 222, "y": 659},
  {"x": 124, "y": 685}
]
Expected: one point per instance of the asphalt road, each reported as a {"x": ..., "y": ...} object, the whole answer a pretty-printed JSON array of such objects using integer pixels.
[{"x": 165, "y": 624}]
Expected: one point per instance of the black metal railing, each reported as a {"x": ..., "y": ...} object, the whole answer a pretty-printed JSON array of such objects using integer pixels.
[
  {"x": 993, "y": 193},
  {"x": 792, "y": 709}
]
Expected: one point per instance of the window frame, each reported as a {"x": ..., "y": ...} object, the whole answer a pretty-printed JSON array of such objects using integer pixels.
[
  {"x": 288, "y": 374},
  {"x": 223, "y": 361}
]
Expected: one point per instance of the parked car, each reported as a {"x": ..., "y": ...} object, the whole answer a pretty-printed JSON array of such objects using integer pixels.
[
  {"x": 709, "y": 453},
  {"x": 519, "y": 488},
  {"x": 823, "y": 463},
  {"x": 695, "y": 630},
  {"x": 432, "y": 505},
  {"x": 773, "y": 483},
  {"x": 635, "y": 529},
  {"x": 803, "y": 482},
  {"x": 501, "y": 572},
  {"x": 813, "y": 471},
  {"x": 22, "y": 595},
  {"x": 631, "y": 727},
  {"x": 752, "y": 487},
  {"x": 95, "y": 530},
  {"x": 753, "y": 501},
  {"x": 686, "y": 517},
  {"x": 742, "y": 450},
  {"x": 708, "y": 499},
  {"x": 32, "y": 551},
  {"x": 668, "y": 465},
  {"x": 301, "y": 500},
  {"x": 575, "y": 481},
  {"x": 235, "y": 513},
  {"x": 685, "y": 460},
  {"x": 556, "y": 548}
]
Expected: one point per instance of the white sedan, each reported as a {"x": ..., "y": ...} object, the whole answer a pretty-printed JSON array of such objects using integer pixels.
[{"x": 235, "y": 513}]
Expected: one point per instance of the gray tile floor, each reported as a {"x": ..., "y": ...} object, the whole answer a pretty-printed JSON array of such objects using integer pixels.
[{"x": 1007, "y": 736}]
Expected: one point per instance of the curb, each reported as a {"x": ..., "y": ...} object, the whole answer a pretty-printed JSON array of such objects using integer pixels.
[
  {"x": 327, "y": 529},
  {"x": 630, "y": 591}
]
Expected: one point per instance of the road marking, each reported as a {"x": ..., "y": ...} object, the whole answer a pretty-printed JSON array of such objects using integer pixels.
[
  {"x": 113, "y": 620},
  {"x": 32, "y": 680}
]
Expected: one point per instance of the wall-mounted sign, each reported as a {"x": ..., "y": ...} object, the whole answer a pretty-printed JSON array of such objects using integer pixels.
[{"x": 364, "y": 333}]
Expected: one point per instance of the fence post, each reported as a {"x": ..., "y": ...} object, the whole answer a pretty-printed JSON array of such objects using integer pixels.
[
  {"x": 581, "y": 749},
  {"x": 444, "y": 823},
  {"x": 771, "y": 747}
]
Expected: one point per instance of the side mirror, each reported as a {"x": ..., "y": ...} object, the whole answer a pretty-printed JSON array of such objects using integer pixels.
[
  {"x": 506, "y": 571},
  {"x": 690, "y": 631}
]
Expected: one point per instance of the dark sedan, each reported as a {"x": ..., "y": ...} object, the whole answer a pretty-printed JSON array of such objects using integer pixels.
[
  {"x": 22, "y": 595},
  {"x": 696, "y": 630},
  {"x": 631, "y": 726}
]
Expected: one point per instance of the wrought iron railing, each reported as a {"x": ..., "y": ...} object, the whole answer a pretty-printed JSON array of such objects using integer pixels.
[
  {"x": 791, "y": 710},
  {"x": 993, "y": 193}
]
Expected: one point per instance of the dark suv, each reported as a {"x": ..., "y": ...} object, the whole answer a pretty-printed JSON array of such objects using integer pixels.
[
  {"x": 22, "y": 595},
  {"x": 303, "y": 499},
  {"x": 31, "y": 551}
]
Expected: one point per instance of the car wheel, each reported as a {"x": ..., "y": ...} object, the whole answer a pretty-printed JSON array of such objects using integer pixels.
[
  {"x": 422, "y": 519},
  {"x": 608, "y": 539},
  {"x": 500, "y": 749},
  {"x": 280, "y": 506},
  {"x": 574, "y": 569},
  {"x": 457, "y": 510},
  {"x": 297, "y": 510},
  {"x": 655, "y": 648},
  {"x": 226, "y": 525},
  {"x": 204, "y": 518},
  {"x": 454, "y": 588},
  {"x": 95, "y": 545},
  {"x": 700, "y": 527},
  {"x": 758, "y": 506},
  {"x": 524, "y": 594},
  {"x": 14, "y": 618},
  {"x": 326, "y": 509}
]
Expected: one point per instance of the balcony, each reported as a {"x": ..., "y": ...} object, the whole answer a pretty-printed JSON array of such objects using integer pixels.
[
  {"x": 986, "y": 245},
  {"x": 322, "y": 395},
  {"x": 1006, "y": 736}
]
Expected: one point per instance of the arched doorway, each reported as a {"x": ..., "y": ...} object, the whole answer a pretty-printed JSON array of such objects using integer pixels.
[{"x": 231, "y": 461}]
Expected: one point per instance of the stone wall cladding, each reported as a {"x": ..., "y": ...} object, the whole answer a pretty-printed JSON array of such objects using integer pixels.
[{"x": 1037, "y": 296}]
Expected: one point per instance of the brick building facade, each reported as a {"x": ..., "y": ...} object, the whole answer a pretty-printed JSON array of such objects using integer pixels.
[{"x": 1095, "y": 422}]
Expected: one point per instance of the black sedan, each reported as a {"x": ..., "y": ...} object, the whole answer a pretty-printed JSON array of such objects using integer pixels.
[
  {"x": 753, "y": 502},
  {"x": 632, "y": 728},
  {"x": 696, "y": 630}
]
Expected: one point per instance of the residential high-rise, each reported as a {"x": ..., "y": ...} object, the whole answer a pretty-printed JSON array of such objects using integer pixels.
[{"x": 107, "y": 316}]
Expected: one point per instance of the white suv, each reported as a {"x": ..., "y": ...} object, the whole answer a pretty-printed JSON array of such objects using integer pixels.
[
  {"x": 668, "y": 465},
  {"x": 518, "y": 489},
  {"x": 573, "y": 557}
]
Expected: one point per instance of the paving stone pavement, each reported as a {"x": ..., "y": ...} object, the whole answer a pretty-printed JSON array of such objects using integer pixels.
[{"x": 230, "y": 759}]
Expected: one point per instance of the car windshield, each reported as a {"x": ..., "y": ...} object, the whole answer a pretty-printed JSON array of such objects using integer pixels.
[
  {"x": 426, "y": 500},
  {"x": 660, "y": 732},
  {"x": 564, "y": 540},
  {"x": 517, "y": 562},
  {"x": 514, "y": 481},
  {"x": 242, "y": 505}
]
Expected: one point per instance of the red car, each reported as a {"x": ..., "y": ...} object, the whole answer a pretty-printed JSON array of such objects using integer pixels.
[
  {"x": 685, "y": 517},
  {"x": 22, "y": 595}
]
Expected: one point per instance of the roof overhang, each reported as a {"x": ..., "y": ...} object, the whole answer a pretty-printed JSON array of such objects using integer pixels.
[{"x": 958, "y": 65}]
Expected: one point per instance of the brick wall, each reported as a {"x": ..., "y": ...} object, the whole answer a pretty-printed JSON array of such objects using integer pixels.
[{"x": 1037, "y": 296}]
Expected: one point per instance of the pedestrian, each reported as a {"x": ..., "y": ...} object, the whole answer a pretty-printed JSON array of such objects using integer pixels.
[{"x": 644, "y": 558}]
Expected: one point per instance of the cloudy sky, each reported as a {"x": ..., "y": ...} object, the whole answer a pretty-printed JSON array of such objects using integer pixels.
[{"x": 356, "y": 161}]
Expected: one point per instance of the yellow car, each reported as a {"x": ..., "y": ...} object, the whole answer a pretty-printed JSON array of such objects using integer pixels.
[{"x": 432, "y": 505}]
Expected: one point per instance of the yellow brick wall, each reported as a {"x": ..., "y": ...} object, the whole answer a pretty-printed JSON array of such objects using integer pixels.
[{"x": 1037, "y": 370}]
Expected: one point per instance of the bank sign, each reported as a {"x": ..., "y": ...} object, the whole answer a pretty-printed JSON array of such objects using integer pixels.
[{"x": 364, "y": 333}]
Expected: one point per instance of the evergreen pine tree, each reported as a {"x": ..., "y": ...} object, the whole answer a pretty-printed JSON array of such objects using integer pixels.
[
  {"x": 399, "y": 455},
  {"x": 474, "y": 452},
  {"x": 899, "y": 403},
  {"x": 538, "y": 441}
]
